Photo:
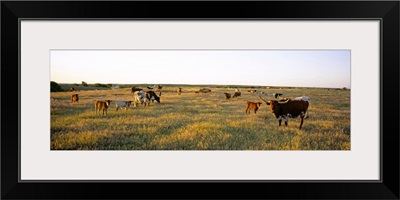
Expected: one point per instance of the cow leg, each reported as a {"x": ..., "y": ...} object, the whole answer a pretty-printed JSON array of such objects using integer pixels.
[
  {"x": 301, "y": 119},
  {"x": 286, "y": 120},
  {"x": 255, "y": 110},
  {"x": 280, "y": 120},
  {"x": 116, "y": 108}
]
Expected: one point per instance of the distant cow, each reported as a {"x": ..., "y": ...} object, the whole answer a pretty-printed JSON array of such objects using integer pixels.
[
  {"x": 101, "y": 105},
  {"x": 276, "y": 95},
  {"x": 288, "y": 108},
  {"x": 252, "y": 105},
  {"x": 71, "y": 89},
  {"x": 153, "y": 96},
  {"x": 204, "y": 90},
  {"x": 254, "y": 90},
  {"x": 237, "y": 94},
  {"x": 179, "y": 91},
  {"x": 74, "y": 98},
  {"x": 139, "y": 97},
  {"x": 303, "y": 98},
  {"x": 227, "y": 95},
  {"x": 121, "y": 104},
  {"x": 145, "y": 97},
  {"x": 264, "y": 93},
  {"x": 134, "y": 89}
]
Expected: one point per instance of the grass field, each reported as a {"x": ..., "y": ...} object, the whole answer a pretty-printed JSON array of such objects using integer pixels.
[{"x": 203, "y": 121}]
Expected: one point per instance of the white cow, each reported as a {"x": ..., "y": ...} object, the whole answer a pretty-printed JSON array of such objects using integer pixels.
[
  {"x": 141, "y": 97},
  {"x": 121, "y": 104},
  {"x": 302, "y": 98}
]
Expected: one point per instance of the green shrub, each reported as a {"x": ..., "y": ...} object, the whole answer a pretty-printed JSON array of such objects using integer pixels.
[
  {"x": 54, "y": 87},
  {"x": 99, "y": 85},
  {"x": 84, "y": 83}
]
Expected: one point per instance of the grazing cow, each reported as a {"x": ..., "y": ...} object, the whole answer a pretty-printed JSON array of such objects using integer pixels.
[
  {"x": 276, "y": 95},
  {"x": 204, "y": 90},
  {"x": 74, "y": 98},
  {"x": 302, "y": 98},
  {"x": 151, "y": 95},
  {"x": 134, "y": 89},
  {"x": 288, "y": 108},
  {"x": 71, "y": 89},
  {"x": 101, "y": 105},
  {"x": 264, "y": 93},
  {"x": 252, "y": 105},
  {"x": 227, "y": 95},
  {"x": 237, "y": 94},
  {"x": 121, "y": 104},
  {"x": 237, "y": 90},
  {"x": 159, "y": 87},
  {"x": 179, "y": 91},
  {"x": 254, "y": 90}
]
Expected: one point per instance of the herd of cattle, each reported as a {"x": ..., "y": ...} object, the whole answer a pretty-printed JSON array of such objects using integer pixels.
[{"x": 282, "y": 108}]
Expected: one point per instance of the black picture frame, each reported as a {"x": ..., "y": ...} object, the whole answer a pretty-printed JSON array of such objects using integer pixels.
[{"x": 386, "y": 11}]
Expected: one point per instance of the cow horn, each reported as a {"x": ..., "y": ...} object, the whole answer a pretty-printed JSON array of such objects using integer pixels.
[
  {"x": 259, "y": 95},
  {"x": 284, "y": 101}
]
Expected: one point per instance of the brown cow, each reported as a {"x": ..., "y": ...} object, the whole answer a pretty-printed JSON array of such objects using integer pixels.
[
  {"x": 71, "y": 89},
  {"x": 179, "y": 91},
  {"x": 237, "y": 94},
  {"x": 252, "y": 105},
  {"x": 134, "y": 89},
  {"x": 227, "y": 95},
  {"x": 74, "y": 98},
  {"x": 101, "y": 105},
  {"x": 288, "y": 108}
]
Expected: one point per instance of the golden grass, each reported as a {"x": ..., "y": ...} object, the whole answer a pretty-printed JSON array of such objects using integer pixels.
[{"x": 199, "y": 121}]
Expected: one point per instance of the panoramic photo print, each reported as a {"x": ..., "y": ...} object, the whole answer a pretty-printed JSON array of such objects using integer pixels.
[{"x": 200, "y": 99}]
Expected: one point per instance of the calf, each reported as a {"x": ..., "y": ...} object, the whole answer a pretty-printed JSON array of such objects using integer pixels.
[
  {"x": 252, "y": 105},
  {"x": 74, "y": 98},
  {"x": 227, "y": 95},
  {"x": 101, "y": 105},
  {"x": 288, "y": 108},
  {"x": 120, "y": 104}
]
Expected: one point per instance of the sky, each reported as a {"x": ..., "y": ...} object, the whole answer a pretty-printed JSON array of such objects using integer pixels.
[{"x": 294, "y": 68}]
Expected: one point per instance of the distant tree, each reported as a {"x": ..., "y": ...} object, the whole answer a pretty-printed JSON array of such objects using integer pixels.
[
  {"x": 109, "y": 85},
  {"x": 99, "y": 85},
  {"x": 344, "y": 88},
  {"x": 75, "y": 84},
  {"x": 54, "y": 87},
  {"x": 84, "y": 83}
]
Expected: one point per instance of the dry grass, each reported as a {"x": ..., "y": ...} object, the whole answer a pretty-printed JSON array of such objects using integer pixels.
[{"x": 200, "y": 121}]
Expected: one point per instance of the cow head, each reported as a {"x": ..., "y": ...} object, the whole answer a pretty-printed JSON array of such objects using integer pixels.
[{"x": 108, "y": 102}]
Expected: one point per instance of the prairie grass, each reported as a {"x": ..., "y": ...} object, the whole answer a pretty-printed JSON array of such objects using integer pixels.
[{"x": 198, "y": 121}]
